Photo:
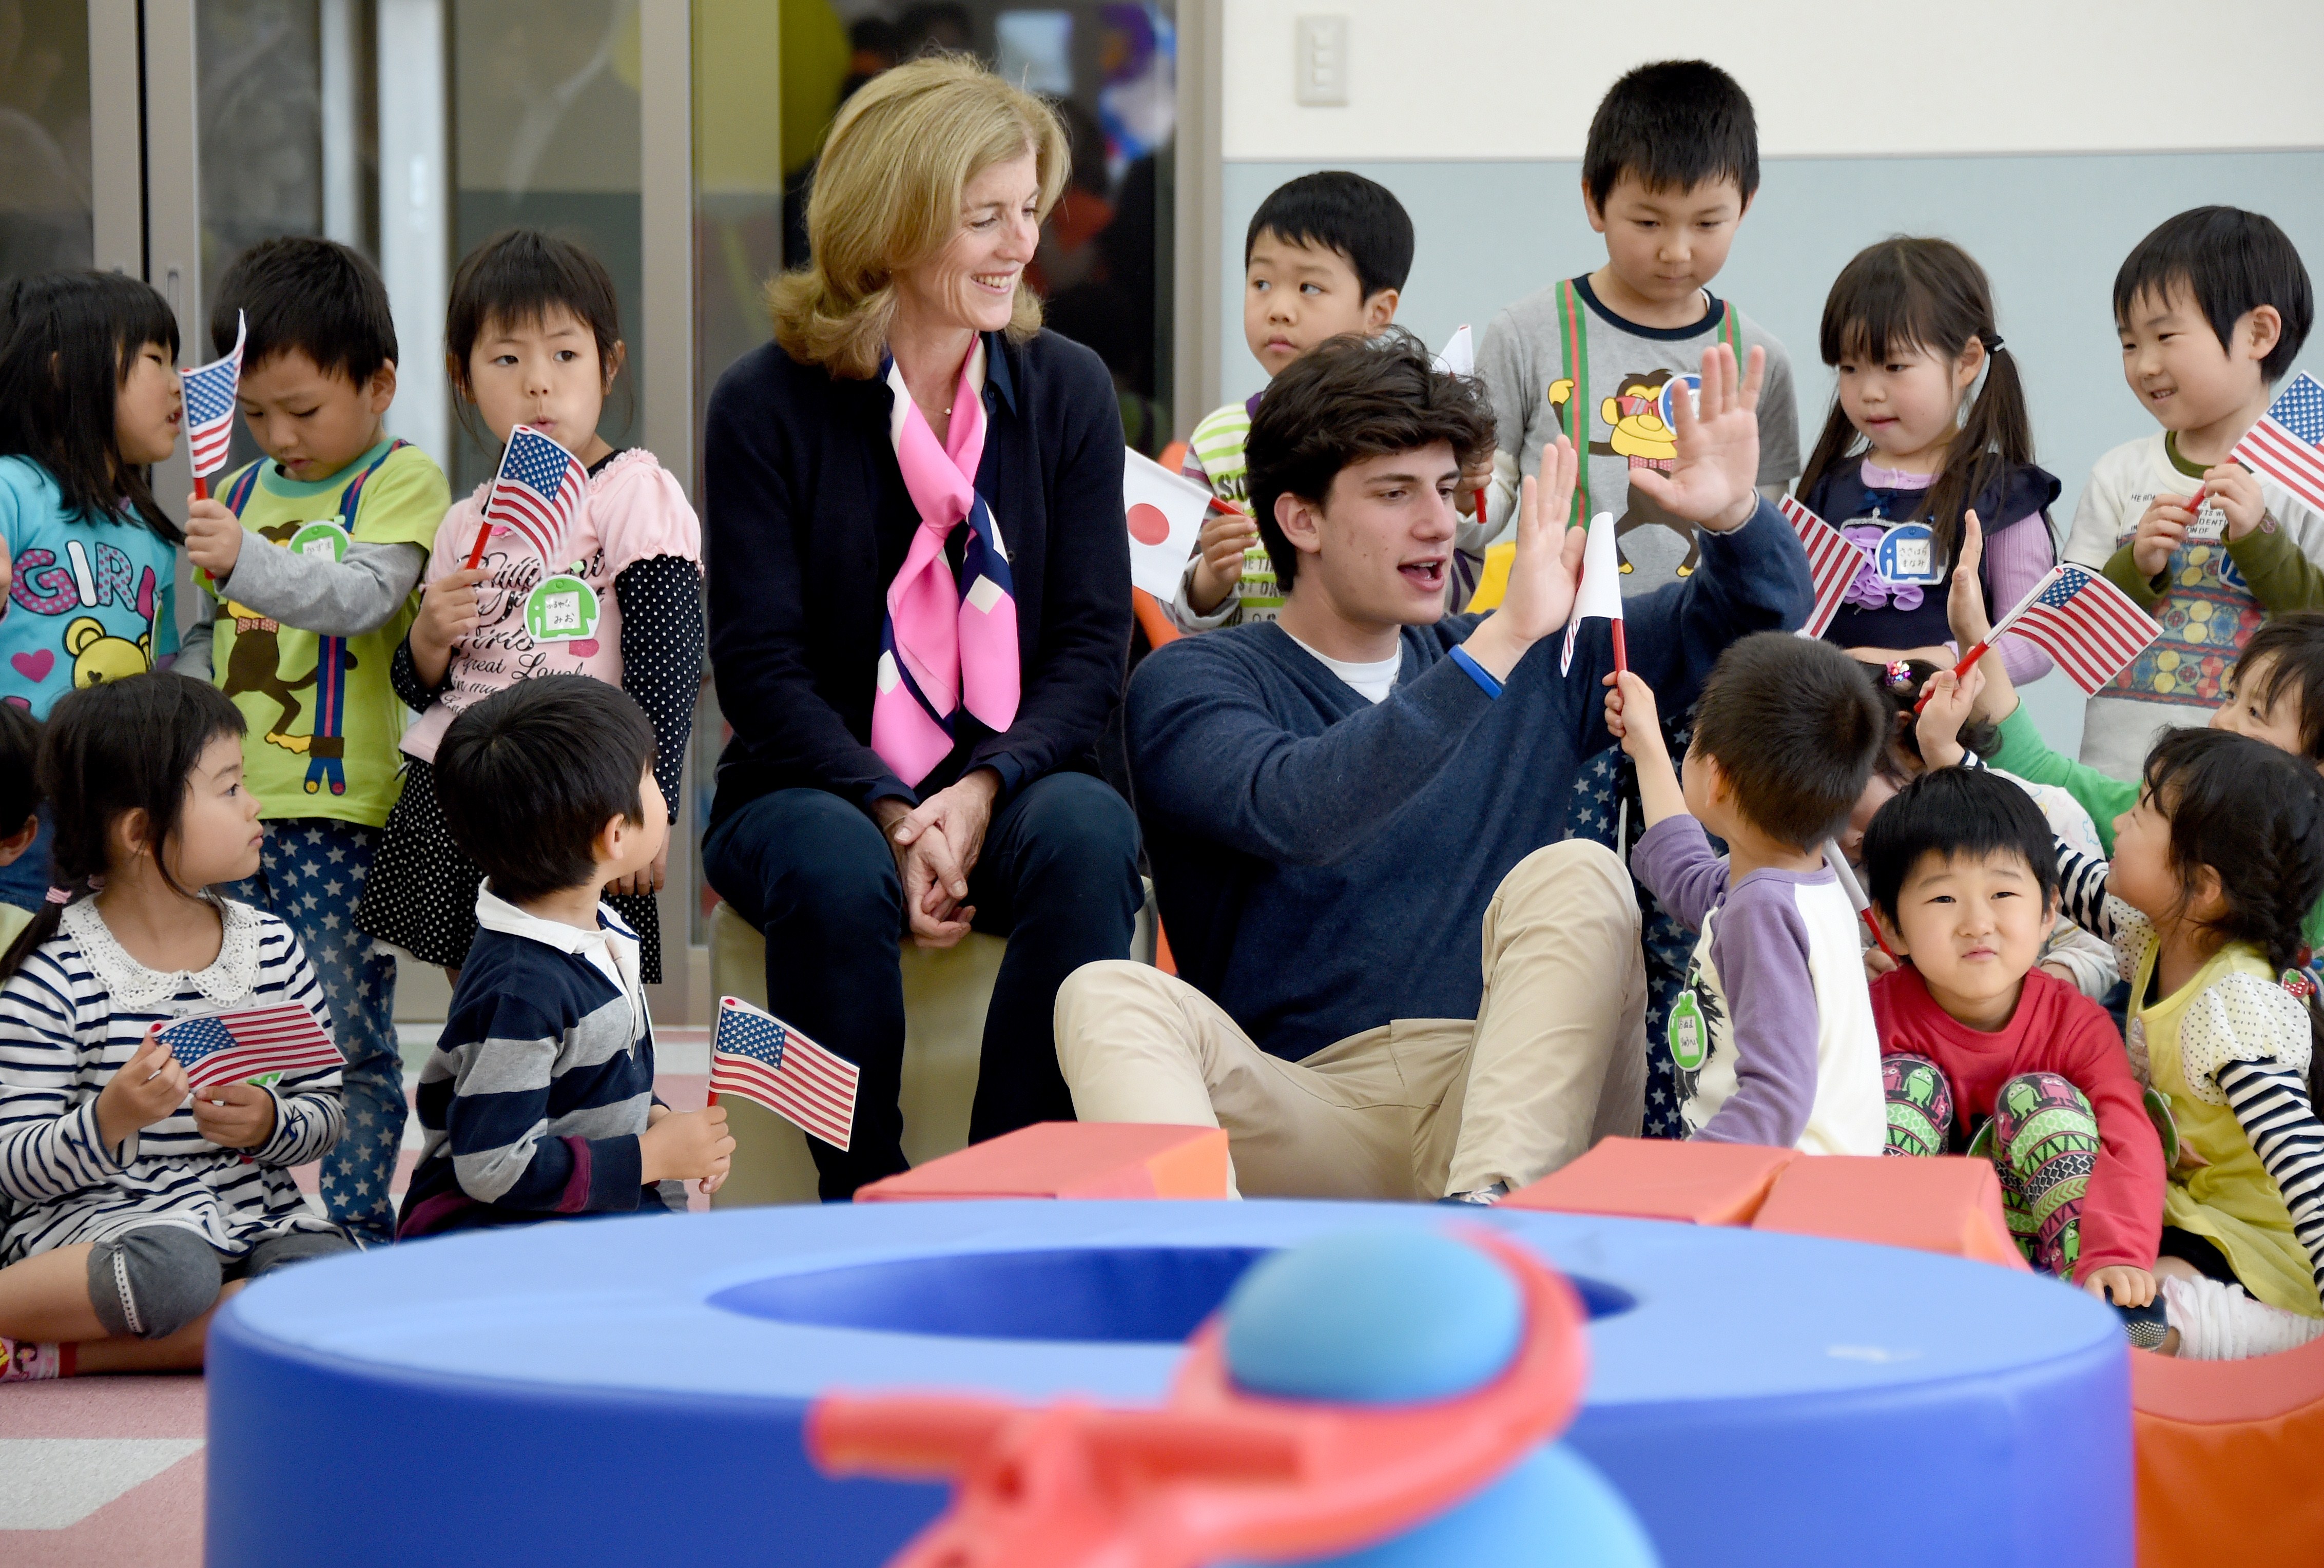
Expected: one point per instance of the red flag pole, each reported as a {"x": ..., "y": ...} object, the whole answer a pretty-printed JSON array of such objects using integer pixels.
[
  {"x": 1981, "y": 649},
  {"x": 483, "y": 532},
  {"x": 1855, "y": 892},
  {"x": 201, "y": 488},
  {"x": 1622, "y": 648}
]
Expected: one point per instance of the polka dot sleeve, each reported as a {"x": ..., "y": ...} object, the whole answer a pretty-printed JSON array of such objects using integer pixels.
[
  {"x": 2241, "y": 1018},
  {"x": 660, "y": 598}
]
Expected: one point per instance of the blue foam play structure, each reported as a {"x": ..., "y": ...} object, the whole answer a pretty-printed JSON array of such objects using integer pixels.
[{"x": 632, "y": 1391}]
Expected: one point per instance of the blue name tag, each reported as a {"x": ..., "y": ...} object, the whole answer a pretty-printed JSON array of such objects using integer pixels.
[{"x": 1908, "y": 555}]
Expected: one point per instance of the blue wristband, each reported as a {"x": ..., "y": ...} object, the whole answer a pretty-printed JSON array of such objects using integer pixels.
[{"x": 1477, "y": 672}]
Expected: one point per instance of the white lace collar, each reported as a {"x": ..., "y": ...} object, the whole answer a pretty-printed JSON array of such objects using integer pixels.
[{"x": 231, "y": 977}]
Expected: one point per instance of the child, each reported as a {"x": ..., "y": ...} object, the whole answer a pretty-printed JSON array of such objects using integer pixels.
[
  {"x": 310, "y": 557},
  {"x": 539, "y": 1099},
  {"x": 1784, "y": 737},
  {"x": 535, "y": 338},
  {"x": 2213, "y": 870},
  {"x": 1933, "y": 397},
  {"x": 130, "y": 1212},
  {"x": 89, "y": 399},
  {"x": 2212, "y": 308},
  {"x": 1670, "y": 168},
  {"x": 20, "y": 803},
  {"x": 1325, "y": 255},
  {"x": 1962, "y": 872}
]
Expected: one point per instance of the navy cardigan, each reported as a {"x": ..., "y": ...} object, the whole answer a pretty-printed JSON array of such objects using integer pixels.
[{"x": 806, "y": 520}]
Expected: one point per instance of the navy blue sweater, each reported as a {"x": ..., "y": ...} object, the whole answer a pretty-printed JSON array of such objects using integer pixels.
[{"x": 1323, "y": 863}]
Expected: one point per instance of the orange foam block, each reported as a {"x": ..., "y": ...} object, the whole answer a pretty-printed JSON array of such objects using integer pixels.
[
  {"x": 2212, "y": 1436},
  {"x": 1950, "y": 1203},
  {"x": 1071, "y": 1159},
  {"x": 1652, "y": 1178}
]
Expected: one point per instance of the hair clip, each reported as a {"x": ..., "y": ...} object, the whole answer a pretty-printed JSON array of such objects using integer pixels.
[
  {"x": 1993, "y": 343},
  {"x": 1900, "y": 674},
  {"x": 60, "y": 895},
  {"x": 2300, "y": 985}
]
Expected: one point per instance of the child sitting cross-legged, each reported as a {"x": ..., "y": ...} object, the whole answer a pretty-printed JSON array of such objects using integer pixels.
[
  {"x": 539, "y": 1099},
  {"x": 1772, "y": 1036},
  {"x": 1962, "y": 868}
]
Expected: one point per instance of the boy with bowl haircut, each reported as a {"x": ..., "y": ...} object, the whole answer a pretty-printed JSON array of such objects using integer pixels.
[
  {"x": 1325, "y": 256},
  {"x": 1784, "y": 737},
  {"x": 538, "y": 1102},
  {"x": 2211, "y": 309},
  {"x": 310, "y": 557},
  {"x": 1963, "y": 876},
  {"x": 1669, "y": 170}
]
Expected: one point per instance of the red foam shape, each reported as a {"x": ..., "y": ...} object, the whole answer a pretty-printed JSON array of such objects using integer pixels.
[
  {"x": 1216, "y": 1474},
  {"x": 1950, "y": 1203},
  {"x": 2213, "y": 1436},
  {"x": 1071, "y": 1159},
  {"x": 1659, "y": 1178}
]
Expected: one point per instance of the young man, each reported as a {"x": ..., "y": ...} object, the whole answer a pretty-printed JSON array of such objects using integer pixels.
[
  {"x": 1337, "y": 803},
  {"x": 1669, "y": 170},
  {"x": 1325, "y": 255},
  {"x": 310, "y": 556},
  {"x": 2212, "y": 308},
  {"x": 539, "y": 1099}
]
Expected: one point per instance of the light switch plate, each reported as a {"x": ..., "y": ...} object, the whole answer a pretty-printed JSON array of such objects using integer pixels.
[{"x": 1321, "y": 61}]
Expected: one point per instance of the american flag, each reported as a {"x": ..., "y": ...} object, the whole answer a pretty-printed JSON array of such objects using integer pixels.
[
  {"x": 1832, "y": 562},
  {"x": 538, "y": 489},
  {"x": 220, "y": 1048},
  {"x": 209, "y": 405},
  {"x": 2285, "y": 444},
  {"x": 757, "y": 1055},
  {"x": 2090, "y": 626}
]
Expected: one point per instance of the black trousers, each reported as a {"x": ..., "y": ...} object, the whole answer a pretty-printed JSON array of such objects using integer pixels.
[{"x": 1058, "y": 876}]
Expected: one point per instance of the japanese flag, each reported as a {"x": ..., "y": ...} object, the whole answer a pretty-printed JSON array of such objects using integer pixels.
[
  {"x": 1601, "y": 589},
  {"x": 1460, "y": 355},
  {"x": 1165, "y": 512}
]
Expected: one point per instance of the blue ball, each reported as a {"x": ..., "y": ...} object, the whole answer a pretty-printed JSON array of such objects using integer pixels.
[
  {"x": 1553, "y": 1510},
  {"x": 1373, "y": 1317}
]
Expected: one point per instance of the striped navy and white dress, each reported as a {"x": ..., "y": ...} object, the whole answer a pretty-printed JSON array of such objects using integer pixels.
[{"x": 78, "y": 1011}]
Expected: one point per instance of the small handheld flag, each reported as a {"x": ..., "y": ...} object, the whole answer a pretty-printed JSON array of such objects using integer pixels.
[
  {"x": 1832, "y": 563},
  {"x": 537, "y": 492},
  {"x": 220, "y": 1047},
  {"x": 2090, "y": 626},
  {"x": 209, "y": 408},
  {"x": 757, "y": 1055},
  {"x": 1599, "y": 594},
  {"x": 1846, "y": 877},
  {"x": 2287, "y": 445},
  {"x": 1165, "y": 511}
]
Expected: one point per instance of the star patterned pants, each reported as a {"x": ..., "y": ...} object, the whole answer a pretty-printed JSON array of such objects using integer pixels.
[{"x": 312, "y": 874}]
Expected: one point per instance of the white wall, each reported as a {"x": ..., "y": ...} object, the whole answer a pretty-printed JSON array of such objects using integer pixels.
[{"x": 1519, "y": 78}]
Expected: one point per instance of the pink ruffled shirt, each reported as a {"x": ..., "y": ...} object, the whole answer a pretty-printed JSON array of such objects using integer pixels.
[
  {"x": 536, "y": 622},
  {"x": 2015, "y": 558}
]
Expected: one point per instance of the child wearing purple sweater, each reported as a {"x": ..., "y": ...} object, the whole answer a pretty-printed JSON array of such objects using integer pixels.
[{"x": 1772, "y": 1035}]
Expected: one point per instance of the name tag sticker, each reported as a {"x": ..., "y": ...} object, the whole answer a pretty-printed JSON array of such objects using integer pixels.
[
  {"x": 1908, "y": 555},
  {"x": 562, "y": 609},
  {"x": 322, "y": 541}
]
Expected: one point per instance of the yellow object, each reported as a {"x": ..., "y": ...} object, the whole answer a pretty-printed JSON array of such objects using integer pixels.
[{"x": 1494, "y": 583}]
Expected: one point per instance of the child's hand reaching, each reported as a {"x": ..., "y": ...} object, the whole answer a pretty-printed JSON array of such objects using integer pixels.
[
  {"x": 1224, "y": 539},
  {"x": 2162, "y": 528},
  {"x": 213, "y": 537},
  {"x": 1972, "y": 622},
  {"x": 1948, "y": 705},
  {"x": 2128, "y": 1286},
  {"x": 1631, "y": 718},
  {"x": 2231, "y": 488},
  {"x": 686, "y": 1144},
  {"x": 448, "y": 613},
  {"x": 150, "y": 1085},
  {"x": 234, "y": 1115}
]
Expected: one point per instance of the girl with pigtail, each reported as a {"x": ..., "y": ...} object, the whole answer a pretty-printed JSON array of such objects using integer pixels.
[{"x": 1927, "y": 422}]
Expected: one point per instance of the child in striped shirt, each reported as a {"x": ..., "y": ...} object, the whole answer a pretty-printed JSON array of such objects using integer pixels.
[
  {"x": 539, "y": 1101},
  {"x": 130, "y": 1213},
  {"x": 1325, "y": 255}
]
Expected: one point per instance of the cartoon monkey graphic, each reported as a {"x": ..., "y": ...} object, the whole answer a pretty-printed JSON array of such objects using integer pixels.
[
  {"x": 255, "y": 665},
  {"x": 1633, "y": 417}
]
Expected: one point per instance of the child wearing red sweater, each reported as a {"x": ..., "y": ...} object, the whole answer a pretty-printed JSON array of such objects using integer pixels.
[{"x": 1963, "y": 876}]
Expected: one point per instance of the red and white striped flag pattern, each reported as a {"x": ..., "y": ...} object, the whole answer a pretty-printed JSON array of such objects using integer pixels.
[
  {"x": 2090, "y": 626},
  {"x": 1832, "y": 563},
  {"x": 218, "y": 1048},
  {"x": 209, "y": 404},
  {"x": 2287, "y": 445},
  {"x": 537, "y": 492},
  {"x": 756, "y": 1055}
]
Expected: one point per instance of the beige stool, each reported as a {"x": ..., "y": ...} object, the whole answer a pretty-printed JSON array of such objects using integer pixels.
[{"x": 945, "y": 993}]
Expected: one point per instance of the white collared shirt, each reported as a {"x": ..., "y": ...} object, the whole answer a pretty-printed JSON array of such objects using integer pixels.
[{"x": 611, "y": 949}]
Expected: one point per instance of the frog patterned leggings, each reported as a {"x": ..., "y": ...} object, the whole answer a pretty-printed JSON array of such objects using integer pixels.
[{"x": 2042, "y": 1139}]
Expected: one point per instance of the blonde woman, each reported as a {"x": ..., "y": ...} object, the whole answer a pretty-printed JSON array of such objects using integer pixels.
[{"x": 919, "y": 604}]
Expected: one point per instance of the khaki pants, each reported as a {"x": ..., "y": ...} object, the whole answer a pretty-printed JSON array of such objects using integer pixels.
[{"x": 1555, "y": 1060}]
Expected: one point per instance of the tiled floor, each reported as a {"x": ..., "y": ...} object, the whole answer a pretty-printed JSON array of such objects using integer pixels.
[{"x": 107, "y": 1473}]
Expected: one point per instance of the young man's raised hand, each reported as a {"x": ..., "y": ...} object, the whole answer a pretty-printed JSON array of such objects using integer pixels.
[
  {"x": 1546, "y": 573},
  {"x": 1712, "y": 480}
]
